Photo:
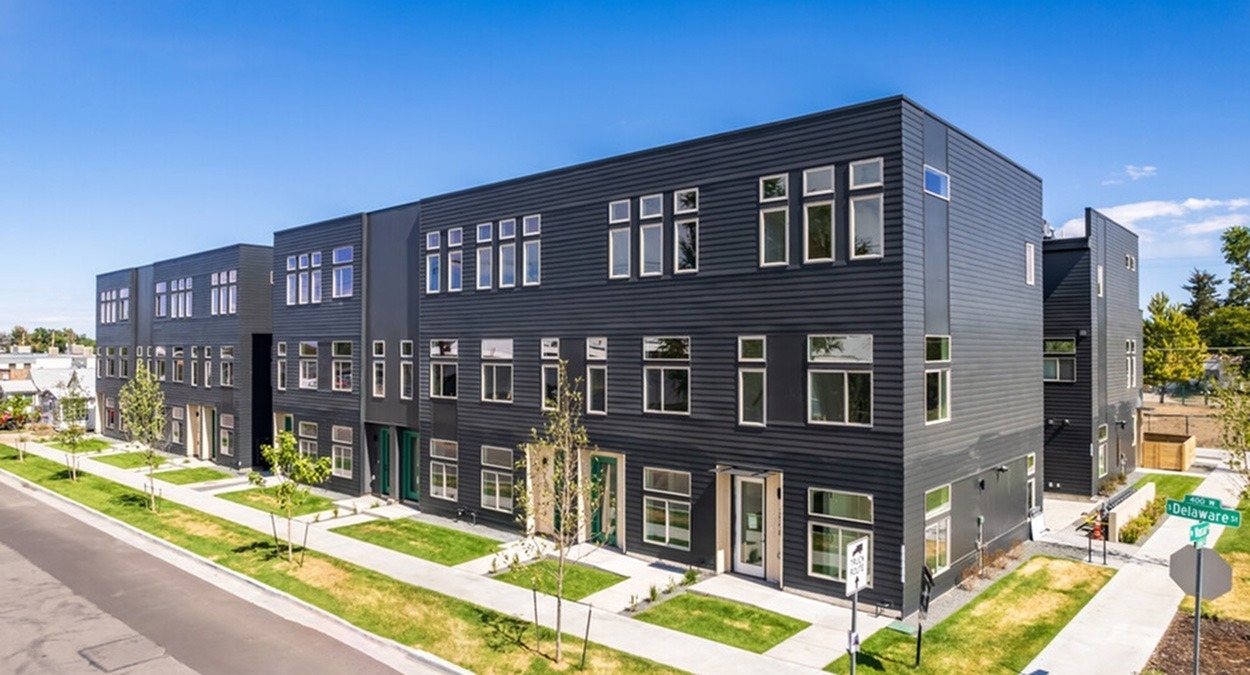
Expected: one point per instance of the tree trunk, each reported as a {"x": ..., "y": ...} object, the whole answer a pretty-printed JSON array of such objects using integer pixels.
[
  {"x": 560, "y": 602},
  {"x": 290, "y": 547},
  {"x": 152, "y": 484}
]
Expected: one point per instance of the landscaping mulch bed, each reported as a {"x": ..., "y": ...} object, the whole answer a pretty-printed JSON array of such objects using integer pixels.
[{"x": 1225, "y": 647}]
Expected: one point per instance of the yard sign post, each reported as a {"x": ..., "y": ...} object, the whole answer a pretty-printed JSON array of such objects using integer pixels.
[
  {"x": 856, "y": 578},
  {"x": 1205, "y": 510}
]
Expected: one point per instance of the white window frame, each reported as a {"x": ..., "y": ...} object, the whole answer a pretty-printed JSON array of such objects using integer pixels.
[
  {"x": 785, "y": 182},
  {"x": 433, "y": 240},
  {"x": 613, "y": 219},
  {"x": 407, "y": 375},
  {"x": 763, "y": 339},
  {"x": 544, "y": 369},
  {"x": 1030, "y": 464},
  {"x": 455, "y": 259},
  {"x": 851, "y": 218},
  {"x": 646, "y": 390},
  {"x": 537, "y": 220},
  {"x": 742, "y": 421},
  {"x": 785, "y": 242},
  {"x": 440, "y": 365},
  {"x": 872, "y": 348},
  {"x": 872, "y": 505},
  {"x": 590, "y": 345},
  {"x": 1030, "y": 264},
  {"x": 943, "y": 525},
  {"x": 379, "y": 368},
  {"x": 591, "y": 367},
  {"x": 511, "y": 248},
  {"x": 924, "y": 182},
  {"x": 500, "y": 228},
  {"x": 340, "y": 455},
  {"x": 945, "y": 507},
  {"x": 444, "y": 469},
  {"x": 532, "y": 248},
  {"x": 549, "y": 348},
  {"x": 498, "y": 477},
  {"x": 944, "y": 376},
  {"x": 1101, "y": 281},
  {"x": 677, "y": 210},
  {"x": 807, "y": 189},
  {"x": 850, "y": 173},
  {"x": 833, "y": 245},
  {"x": 858, "y": 532},
  {"x": 487, "y": 268},
  {"x": 1058, "y": 368},
  {"x": 452, "y": 447},
  {"x": 455, "y": 237},
  {"x": 677, "y": 228},
  {"x": 612, "y": 232},
  {"x": 1103, "y": 464},
  {"x": 336, "y": 367},
  {"x": 493, "y": 366},
  {"x": 433, "y": 274},
  {"x": 642, "y": 248},
  {"x": 668, "y": 520},
  {"x": 657, "y": 199},
  {"x": 488, "y": 228}
]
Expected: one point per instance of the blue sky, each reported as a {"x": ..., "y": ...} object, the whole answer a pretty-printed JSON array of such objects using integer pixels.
[{"x": 137, "y": 131}]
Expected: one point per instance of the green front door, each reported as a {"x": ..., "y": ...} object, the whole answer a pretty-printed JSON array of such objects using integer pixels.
[
  {"x": 410, "y": 466},
  {"x": 384, "y": 461},
  {"x": 603, "y": 471}
]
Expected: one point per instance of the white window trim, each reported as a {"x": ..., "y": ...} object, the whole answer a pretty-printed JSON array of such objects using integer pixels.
[
  {"x": 677, "y": 269},
  {"x": 1103, "y": 463},
  {"x": 785, "y": 177},
  {"x": 412, "y": 374},
  {"x": 498, "y": 475},
  {"x": 511, "y": 246},
  {"x": 1058, "y": 371},
  {"x": 689, "y": 348},
  {"x": 785, "y": 244},
  {"x": 1030, "y": 264},
  {"x": 1030, "y": 464},
  {"x": 1101, "y": 281},
  {"x": 872, "y": 347},
  {"x": 642, "y": 248},
  {"x": 492, "y": 365},
  {"x": 812, "y": 524},
  {"x": 378, "y": 366},
  {"x": 446, "y": 467},
  {"x": 612, "y": 220},
  {"x": 455, "y": 446},
  {"x": 677, "y": 211},
  {"x": 833, "y": 245},
  {"x": 477, "y": 233},
  {"x": 667, "y": 522},
  {"x": 440, "y": 365},
  {"x": 334, "y": 381},
  {"x": 335, "y": 451},
  {"x": 808, "y": 192},
  {"x": 950, "y": 346},
  {"x": 659, "y": 198},
  {"x": 661, "y": 366},
  {"x": 762, "y": 359},
  {"x": 851, "y": 220},
  {"x": 543, "y": 368},
  {"x": 524, "y": 266},
  {"x": 741, "y": 389},
  {"x": 507, "y": 467},
  {"x": 947, "y": 393},
  {"x": 605, "y": 348},
  {"x": 459, "y": 231},
  {"x": 525, "y": 221},
  {"x": 597, "y": 365},
  {"x": 850, "y": 173},
  {"x": 478, "y": 267},
  {"x": 433, "y": 240},
  {"x": 846, "y": 404},
  {"x": 944, "y": 508},
  {"x": 629, "y": 260},
  {"x": 871, "y": 502},
  {"x": 924, "y": 183},
  {"x": 947, "y": 540},
  {"x": 430, "y": 277},
  {"x": 499, "y": 229},
  {"x": 650, "y": 469}
]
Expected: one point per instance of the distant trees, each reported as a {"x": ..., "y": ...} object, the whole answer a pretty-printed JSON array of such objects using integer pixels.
[
  {"x": 1204, "y": 294},
  {"x": 1235, "y": 242},
  {"x": 41, "y": 339},
  {"x": 1173, "y": 350}
]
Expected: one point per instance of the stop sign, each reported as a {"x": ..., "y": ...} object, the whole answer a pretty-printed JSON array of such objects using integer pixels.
[{"x": 1217, "y": 576}]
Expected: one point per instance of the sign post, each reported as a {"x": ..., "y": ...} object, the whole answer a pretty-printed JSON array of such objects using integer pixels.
[
  {"x": 1188, "y": 563},
  {"x": 926, "y": 592},
  {"x": 856, "y": 579}
]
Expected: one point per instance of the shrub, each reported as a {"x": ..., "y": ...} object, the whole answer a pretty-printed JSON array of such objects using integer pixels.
[
  {"x": 692, "y": 575},
  {"x": 654, "y": 594},
  {"x": 1141, "y": 524},
  {"x": 968, "y": 578}
]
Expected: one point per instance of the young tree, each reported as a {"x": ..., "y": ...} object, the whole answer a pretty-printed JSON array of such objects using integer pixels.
[
  {"x": 73, "y": 420},
  {"x": 559, "y": 490},
  {"x": 1232, "y": 412},
  {"x": 22, "y": 440},
  {"x": 296, "y": 474},
  {"x": 1204, "y": 294},
  {"x": 143, "y": 412},
  {"x": 70, "y": 438},
  {"x": 1173, "y": 350}
]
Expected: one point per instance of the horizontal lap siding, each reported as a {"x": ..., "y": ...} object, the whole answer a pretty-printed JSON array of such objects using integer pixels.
[
  {"x": 1069, "y": 286},
  {"x": 1123, "y": 321},
  {"x": 392, "y": 293}
]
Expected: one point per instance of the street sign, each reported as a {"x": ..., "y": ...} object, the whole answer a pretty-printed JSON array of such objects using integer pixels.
[
  {"x": 1203, "y": 501},
  {"x": 1217, "y": 576},
  {"x": 857, "y": 565},
  {"x": 1210, "y": 514},
  {"x": 1198, "y": 533}
]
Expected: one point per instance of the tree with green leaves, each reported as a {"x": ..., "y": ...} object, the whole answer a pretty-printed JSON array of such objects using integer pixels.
[
  {"x": 296, "y": 473},
  {"x": 1204, "y": 294},
  {"x": 143, "y": 412},
  {"x": 1232, "y": 413},
  {"x": 19, "y": 336},
  {"x": 17, "y": 411},
  {"x": 1235, "y": 243},
  {"x": 559, "y": 487},
  {"x": 1226, "y": 330},
  {"x": 1173, "y": 350}
]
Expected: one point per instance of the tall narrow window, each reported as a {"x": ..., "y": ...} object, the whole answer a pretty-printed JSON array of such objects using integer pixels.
[
  {"x": 281, "y": 371},
  {"x": 867, "y": 227},
  {"x": 651, "y": 253},
  {"x": 774, "y": 237},
  {"x": 507, "y": 265},
  {"x": 342, "y": 259},
  {"x": 597, "y": 375},
  {"x": 432, "y": 273},
  {"x": 818, "y": 232},
  {"x": 1030, "y": 264},
  {"x": 618, "y": 253},
  {"x": 686, "y": 246},
  {"x": 497, "y": 370},
  {"x": 937, "y": 378},
  {"x": 405, "y": 380},
  {"x": 1101, "y": 281},
  {"x": 533, "y": 262},
  {"x": 937, "y": 532},
  {"x": 379, "y": 379},
  {"x": 752, "y": 381},
  {"x": 444, "y": 479},
  {"x": 455, "y": 271},
  {"x": 485, "y": 261}
]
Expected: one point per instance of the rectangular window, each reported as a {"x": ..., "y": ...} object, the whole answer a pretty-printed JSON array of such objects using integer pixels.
[
  {"x": 818, "y": 232},
  {"x": 500, "y": 458},
  {"x": 291, "y": 297},
  {"x": 484, "y": 232},
  {"x": 533, "y": 263},
  {"x": 1103, "y": 434},
  {"x": 341, "y": 348},
  {"x": 666, "y": 522},
  {"x": 1030, "y": 463},
  {"x": 455, "y": 236},
  {"x": 839, "y": 348},
  {"x": 686, "y": 200},
  {"x": 838, "y": 504},
  {"x": 937, "y": 348},
  {"x": 867, "y": 173},
  {"x": 444, "y": 348},
  {"x": 1030, "y": 495},
  {"x": 507, "y": 265},
  {"x": 484, "y": 264},
  {"x": 307, "y": 374},
  {"x": 341, "y": 461},
  {"x": 448, "y": 450},
  {"x": 937, "y": 183},
  {"x": 455, "y": 271},
  {"x": 937, "y": 537},
  {"x": 666, "y": 389},
  {"x": 432, "y": 241},
  {"x": 752, "y": 348},
  {"x": 597, "y": 389},
  {"x": 937, "y": 501},
  {"x": 666, "y": 481},
  {"x": 306, "y": 349},
  {"x": 405, "y": 349},
  {"x": 341, "y": 256},
  {"x": 818, "y": 181},
  {"x": 651, "y": 250},
  {"x": 342, "y": 371},
  {"x": 666, "y": 348},
  {"x": 281, "y": 374},
  {"x": 315, "y": 283},
  {"x": 839, "y": 397},
  {"x": 826, "y": 547},
  {"x": 1102, "y": 460},
  {"x": 532, "y": 224},
  {"x": 442, "y": 380},
  {"x": 379, "y": 347},
  {"x": 507, "y": 229},
  {"x": 405, "y": 380},
  {"x": 1101, "y": 280},
  {"x": 686, "y": 246},
  {"x": 497, "y": 491},
  {"x": 444, "y": 481},
  {"x": 175, "y": 432},
  {"x": 432, "y": 273},
  {"x": 1055, "y": 369},
  {"x": 618, "y": 253},
  {"x": 1030, "y": 264},
  {"x": 551, "y": 386},
  {"x": 752, "y": 405},
  {"x": 379, "y": 379},
  {"x": 226, "y": 444},
  {"x": 497, "y": 382},
  {"x": 774, "y": 237},
  {"x": 937, "y": 395},
  {"x": 342, "y": 287},
  {"x": 773, "y": 188},
  {"x": 1059, "y": 346},
  {"x": 651, "y": 206},
  {"x": 227, "y": 373},
  {"x": 307, "y": 429},
  {"x": 308, "y": 448},
  {"x": 208, "y": 371},
  {"x": 867, "y": 227},
  {"x": 596, "y": 349},
  {"x": 549, "y": 348},
  {"x": 497, "y": 348},
  {"x": 618, "y": 211}
]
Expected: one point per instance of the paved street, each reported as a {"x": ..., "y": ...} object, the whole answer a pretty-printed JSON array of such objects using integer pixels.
[{"x": 76, "y": 600}]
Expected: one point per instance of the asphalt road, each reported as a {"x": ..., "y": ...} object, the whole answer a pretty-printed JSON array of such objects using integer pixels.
[{"x": 75, "y": 600}]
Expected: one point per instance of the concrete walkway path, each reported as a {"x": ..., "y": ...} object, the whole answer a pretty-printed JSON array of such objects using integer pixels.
[
  {"x": 1121, "y": 626},
  {"x": 608, "y": 628}
]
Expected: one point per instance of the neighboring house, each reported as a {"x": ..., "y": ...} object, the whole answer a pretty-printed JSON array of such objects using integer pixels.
[
  {"x": 56, "y": 383},
  {"x": 1092, "y": 356},
  {"x": 202, "y": 324}
]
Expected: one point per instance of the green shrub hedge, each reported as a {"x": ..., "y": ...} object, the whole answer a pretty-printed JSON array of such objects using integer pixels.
[{"x": 1141, "y": 524}]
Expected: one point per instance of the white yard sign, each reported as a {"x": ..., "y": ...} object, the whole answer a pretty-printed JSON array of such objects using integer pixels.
[{"x": 857, "y": 566}]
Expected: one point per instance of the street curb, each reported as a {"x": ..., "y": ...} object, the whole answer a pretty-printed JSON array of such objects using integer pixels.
[{"x": 399, "y": 656}]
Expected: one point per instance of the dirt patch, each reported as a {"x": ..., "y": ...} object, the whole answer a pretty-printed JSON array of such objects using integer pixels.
[
  {"x": 1225, "y": 647},
  {"x": 319, "y": 573},
  {"x": 1193, "y": 419},
  {"x": 1066, "y": 575},
  {"x": 199, "y": 528}
]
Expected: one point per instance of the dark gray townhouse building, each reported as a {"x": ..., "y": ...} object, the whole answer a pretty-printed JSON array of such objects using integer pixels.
[
  {"x": 788, "y": 337},
  {"x": 1092, "y": 358},
  {"x": 345, "y": 332},
  {"x": 202, "y": 324}
]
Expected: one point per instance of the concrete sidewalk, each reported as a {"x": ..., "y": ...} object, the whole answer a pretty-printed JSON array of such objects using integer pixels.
[
  {"x": 677, "y": 649},
  {"x": 1121, "y": 626}
]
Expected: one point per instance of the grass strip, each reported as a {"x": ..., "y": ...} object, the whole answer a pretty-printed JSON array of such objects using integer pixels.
[
  {"x": 125, "y": 460},
  {"x": 85, "y": 445},
  {"x": 733, "y": 623},
  {"x": 476, "y": 638},
  {"x": 1170, "y": 485},
  {"x": 1234, "y": 546},
  {"x": 580, "y": 581},
  {"x": 1000, "y": 631},
  {"x": 263, "y": 499},
  {"x": 442, "y": 545},
  {"x": 199, "y": 474}
]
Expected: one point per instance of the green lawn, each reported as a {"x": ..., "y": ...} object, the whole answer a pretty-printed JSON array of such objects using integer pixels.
[
  {"x": 263, "y": 499},
  {"x": 200, "y": 474},
  {"x": 579, "y": 580},
  {"x": 442, "y": 545},
  {"x": 1234, "y": 547},
  {"x": 478, "y": 639},
  {"x": 85, "y": 445},
  {"x": 1169, "y": 485},
  {"x": 1237, "y": 539},
  {"x": 733, "y": 623},
  {"x": 999, "y": 632},
  {"x": 125, "y": 460}
]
